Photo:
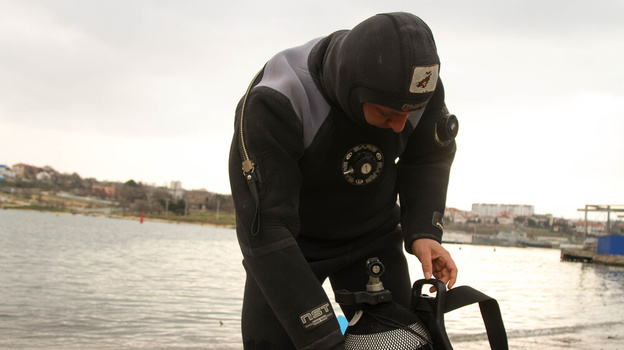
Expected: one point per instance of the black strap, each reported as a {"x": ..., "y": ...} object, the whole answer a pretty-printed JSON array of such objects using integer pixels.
[
  {"x": 490, "y": 312},
  {"x": 431, "y": 310}
]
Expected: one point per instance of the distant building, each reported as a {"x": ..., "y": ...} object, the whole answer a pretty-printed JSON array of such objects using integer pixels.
[
  {"x": 176, "y": 190},
  {"x": 455, "y": 215},
  {"x": 593, "y": 228},
  {"x": 544, "y": 220},
  {"x": 504, "y": 218},
  {"x": 6, "y": 173},
  {"x": 494, "y": 210},
  {"x": 26, "y": 171},
  {"x": 43, "y": 176},
  {"x": 197, "y": 199},
  {"x": 104, "y": 191}
]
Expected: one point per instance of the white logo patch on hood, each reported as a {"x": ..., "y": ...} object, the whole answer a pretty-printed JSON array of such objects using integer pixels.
[{"x": 424, "y": 79}]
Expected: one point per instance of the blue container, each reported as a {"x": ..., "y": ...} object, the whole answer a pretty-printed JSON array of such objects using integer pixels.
[{"x": 613, "y": 245}]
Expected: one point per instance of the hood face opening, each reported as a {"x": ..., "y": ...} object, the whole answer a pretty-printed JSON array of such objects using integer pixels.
[{"x": 389, "y": 59}]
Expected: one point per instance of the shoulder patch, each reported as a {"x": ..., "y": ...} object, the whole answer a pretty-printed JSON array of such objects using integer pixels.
[{"x": 424, "y": 79}]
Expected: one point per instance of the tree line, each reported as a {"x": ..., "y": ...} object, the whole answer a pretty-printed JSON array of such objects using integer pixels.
[{"x": 130, "y": 195}]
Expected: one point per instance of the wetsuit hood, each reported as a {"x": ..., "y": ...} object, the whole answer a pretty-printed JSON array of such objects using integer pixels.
[{"x": 389, "y": 59}]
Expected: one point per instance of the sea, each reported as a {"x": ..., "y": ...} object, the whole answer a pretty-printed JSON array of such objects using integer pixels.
[{"x": 86, "y": 282}]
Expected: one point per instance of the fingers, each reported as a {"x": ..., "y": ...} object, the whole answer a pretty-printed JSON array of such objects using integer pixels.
[
  {"x": 425, "y": 261},
  {"x": 453, "y": 274},
  {"x": 436, "y": 261},
  {"x": 445, "y": 270},
  {"x": 453, "y": 279}
]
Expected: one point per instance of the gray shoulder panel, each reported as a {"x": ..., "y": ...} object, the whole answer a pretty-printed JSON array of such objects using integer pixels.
[{"x": 288, "y": 73}]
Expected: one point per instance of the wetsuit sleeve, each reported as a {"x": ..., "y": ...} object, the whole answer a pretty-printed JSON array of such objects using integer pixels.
[
  {"x": 424, "y": 170},
  {"x": 273, "y": 140}
]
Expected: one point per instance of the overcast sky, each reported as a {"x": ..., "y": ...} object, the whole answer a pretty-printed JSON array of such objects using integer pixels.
[{"x": 146, "y": 90}]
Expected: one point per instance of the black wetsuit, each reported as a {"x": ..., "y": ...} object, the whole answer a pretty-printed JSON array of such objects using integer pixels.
[{"x": 322, "y": 197}]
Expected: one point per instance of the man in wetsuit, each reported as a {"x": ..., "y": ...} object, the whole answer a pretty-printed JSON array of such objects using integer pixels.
[{"x": 326, "y": 136}]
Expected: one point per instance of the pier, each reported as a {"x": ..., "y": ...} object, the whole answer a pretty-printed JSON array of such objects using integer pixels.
[
  {"x": 610, "y": 248},
  {"x": 581, "y": 255}
]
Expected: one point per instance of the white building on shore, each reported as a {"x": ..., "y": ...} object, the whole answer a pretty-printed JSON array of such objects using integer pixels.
[
  {"x": 6, "y": 173},
  {"x": 176, "y": 190},
  {"x": 493, "y": 210}
]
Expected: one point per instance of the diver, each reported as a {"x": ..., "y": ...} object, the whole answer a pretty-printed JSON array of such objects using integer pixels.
[{"x": 327, "y": 135}]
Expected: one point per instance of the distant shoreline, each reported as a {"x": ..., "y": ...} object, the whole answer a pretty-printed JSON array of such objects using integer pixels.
[
  {"x": 224, "y": 219},
  {"x": 208, "y": 220},
  {"x": 131, "y": 217}
]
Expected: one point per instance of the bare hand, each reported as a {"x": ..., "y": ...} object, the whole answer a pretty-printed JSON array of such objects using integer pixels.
[{"x": 435, "y": 261}]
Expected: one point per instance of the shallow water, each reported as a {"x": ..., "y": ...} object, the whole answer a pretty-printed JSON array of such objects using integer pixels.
[{"x": 78, "y": 282}]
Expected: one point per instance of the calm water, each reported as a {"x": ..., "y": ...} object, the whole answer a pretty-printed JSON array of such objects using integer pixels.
[{"x": 77, "y": 282}]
